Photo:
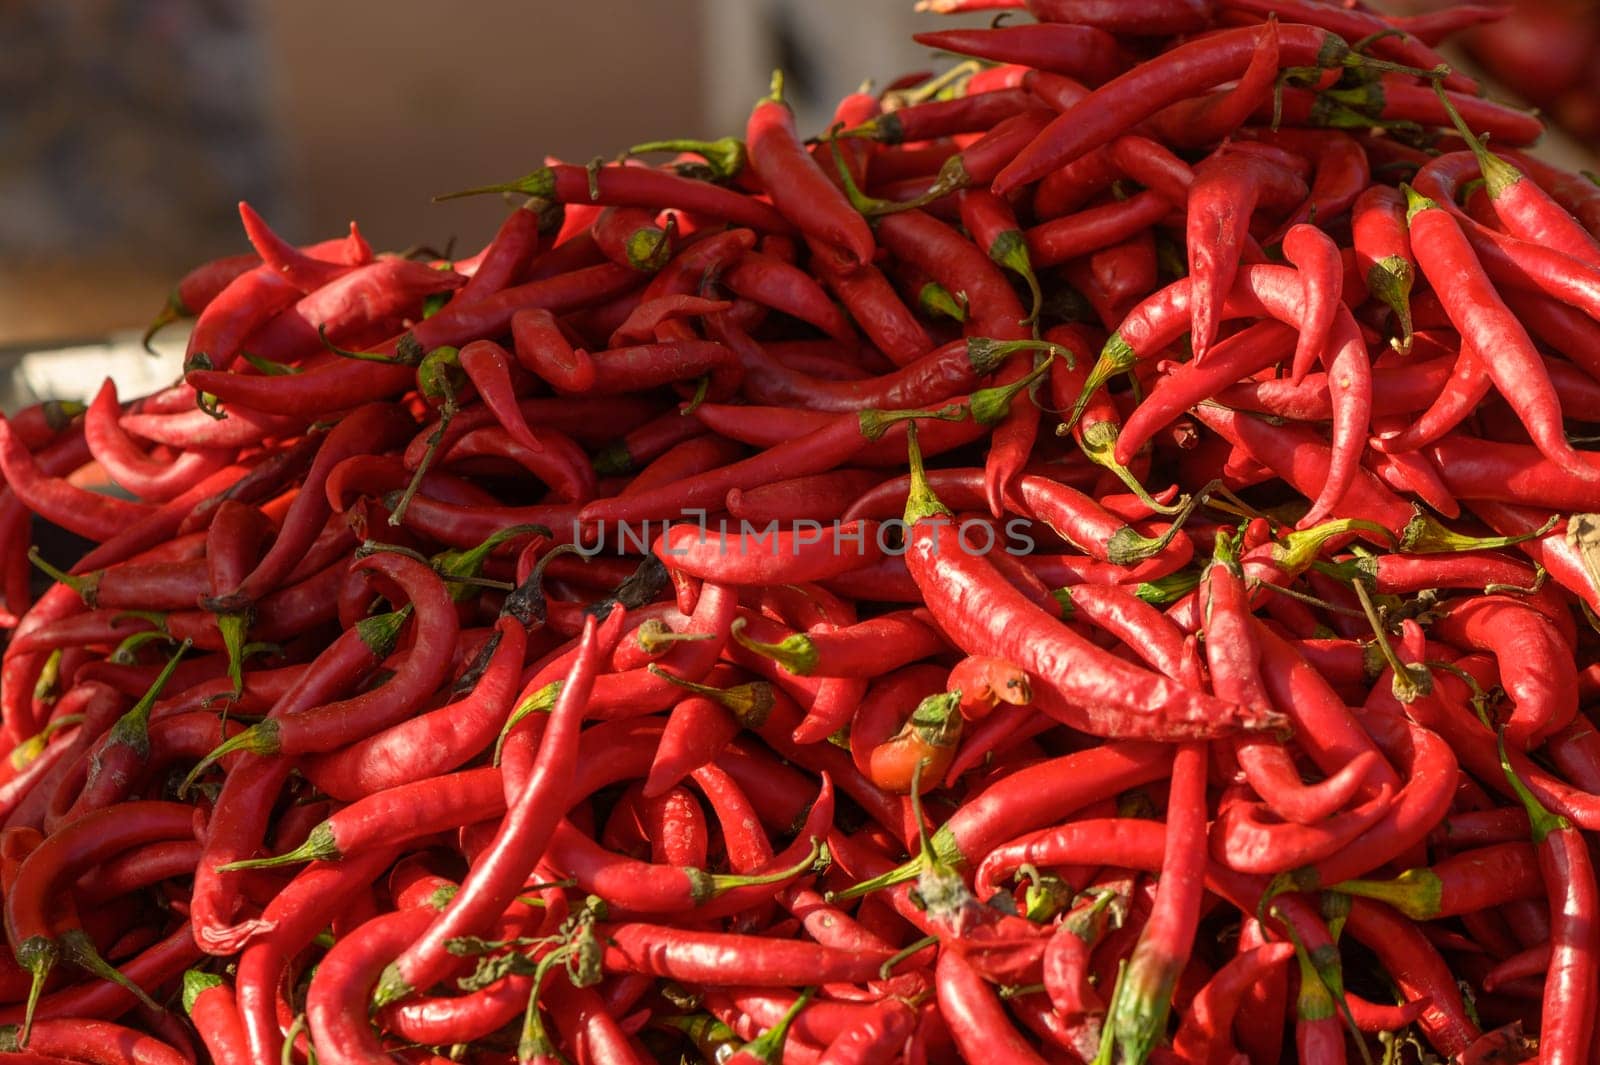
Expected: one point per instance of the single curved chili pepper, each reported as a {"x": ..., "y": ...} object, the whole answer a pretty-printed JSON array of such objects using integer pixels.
[
  {"x": 1462, "y": 883},
  {"x": 866, "y": 649},
  {"x": 1204, "y": 1034},
  {"x": 873, "y": 304},
  {"x": 1522, "y": 207},
  {"x": 149, "y": 479},
  {"x": 394, "y": 816},
  {"x": 530, "y": 823},
  {"x": 336, "y": 1004},
  {"x": 506, "y": 256},
  {"x": 1316, "y": 256},
  {"x": 543, "y": 350},
  {"x": 1227, "y": 188},
  {"x": 928, "y": 120},
  {"x": 798, "y": 187},
  {"x": 1240, "y": 356},
  {"x": 137, "y": 869},
  {"x": 247, "y": 302},
  {"x": 1572, "y": 191},
  {"x": 1536, "y": 665},
  {"x": 1212, "y": 117},
  {"x": 488, "y": 366},
  {"x": 784, "y": 287},
  {"x": 1246, "y": 840}
]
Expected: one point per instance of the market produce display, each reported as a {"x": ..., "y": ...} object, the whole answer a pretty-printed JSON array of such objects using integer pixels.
[{"x": 1088, "y": 559}]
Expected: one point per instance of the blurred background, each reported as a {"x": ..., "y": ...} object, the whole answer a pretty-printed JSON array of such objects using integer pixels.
[{"x": 129, "y": 129}]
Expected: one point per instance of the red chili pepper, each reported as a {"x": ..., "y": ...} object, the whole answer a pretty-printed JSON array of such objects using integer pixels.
[
  {"x": 1227, "y": 189},
  {"x": 89, "y": 514},
  {"x": 1178, "y": 74},
  {"x": 1099, "y": 693},
  {"x": 976, "y": 1017},
  {"x": 530, "y": 822},
  {"x": 1078, "y": 51},
  {"x": 798, "y": 187},
  {"x": 721, "y": 959},
  {"x": 1204, "y": 1034},
  {"x": 70, "y": 851},
  {"x": 197, "y": 288},
  {"x": 1211, "y": 118},
  {"x": 209, "y": 1002},
  {"x": 1484, "y": 321},
  {"x": 638, "y": 186},
  {"x": 1240, "y": 356},
  {"x": 1419, "y": 972},
  {"x": 336, "y": 1004},
  {"x": 1535, "y": 663},
  {"x": 1139, "y": 18},
  {"x": 150, "y": 479},
  {"x": 1138, "y": 1015},
  {"x": 1317, "y": 258},
  {"x": 1069, "y": 236},
  {"x": 304, "y": 271},
  {"x": 973, "y": 113}
]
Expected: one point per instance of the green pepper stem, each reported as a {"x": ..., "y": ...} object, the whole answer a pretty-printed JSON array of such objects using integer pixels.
[{"x": 796, "y": 653}]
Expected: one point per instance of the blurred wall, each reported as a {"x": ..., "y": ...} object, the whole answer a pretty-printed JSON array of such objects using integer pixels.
[{"x": 380, "y": 104}]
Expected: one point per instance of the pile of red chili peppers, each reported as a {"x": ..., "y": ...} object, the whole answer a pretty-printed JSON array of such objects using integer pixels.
[{"x": 546, "y": 655}]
